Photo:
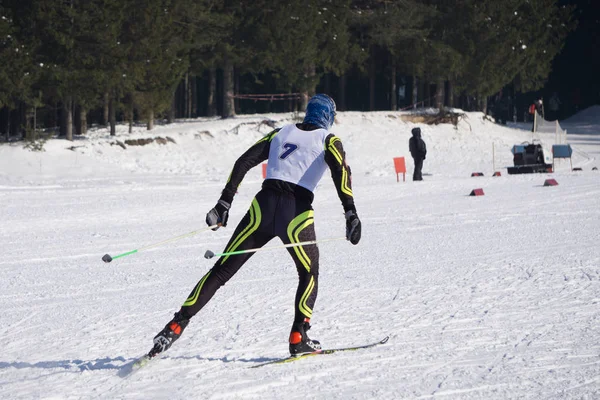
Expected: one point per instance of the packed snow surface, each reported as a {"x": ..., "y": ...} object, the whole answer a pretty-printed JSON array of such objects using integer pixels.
[{"x": 487, "y": 297}]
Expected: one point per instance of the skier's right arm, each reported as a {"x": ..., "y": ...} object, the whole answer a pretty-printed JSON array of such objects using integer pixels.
[
  {"x": 335, "y": 157},
  {"x": 252, "y": 157}
]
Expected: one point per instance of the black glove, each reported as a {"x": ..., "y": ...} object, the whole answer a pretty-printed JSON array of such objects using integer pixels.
[
  {"x": 218, "y": 215},
  {"x": 352, "y": 227}
]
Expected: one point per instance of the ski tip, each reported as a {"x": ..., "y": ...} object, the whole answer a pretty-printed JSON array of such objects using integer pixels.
[
  {"x": 131, "y": 367},
  {"x": 384, "y": 340},
  {"x": 106, "y": 258}
]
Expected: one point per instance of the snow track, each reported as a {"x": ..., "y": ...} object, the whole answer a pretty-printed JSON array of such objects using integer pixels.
[{"x": 494, "y": 297}]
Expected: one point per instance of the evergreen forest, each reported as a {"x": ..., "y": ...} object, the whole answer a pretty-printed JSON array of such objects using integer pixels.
[{"x": 71, "y": 64}]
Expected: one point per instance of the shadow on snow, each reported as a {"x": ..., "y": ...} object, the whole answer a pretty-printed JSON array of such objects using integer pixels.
[{"x": 99, "y": 364}]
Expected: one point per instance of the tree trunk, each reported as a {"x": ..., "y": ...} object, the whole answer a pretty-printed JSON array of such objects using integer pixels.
[
  {"x": 194, "y": 113},
  {"x": 15, "y": 122},
  {"x": 34, "y": 123},
  {"x": 130, "y": 113},
  {"x": 372, "y": 84},
  {"x": 105, "y": 110},
  {"x": 303, "y": 101},
  {"x": 308, "y": 86},
  {"x": 482, "y": 102},
  {"x": 212, "y": 92},
  {"x": 112, "y": 116},
  {"x": 439, "y": 95},
  {"x": 292, "y": 102},
  {"x": 68, "y": 109},
  {"x": 171, "y": 114},
  {"x": 69, "y": 122},
  {"x": 228, "y": 103},
  {"x": 150, "y": 124},
  {"x": 187, "y": 96},
  {"x": 8, "y": 125},
  {"x": 62, "y": 121},
  {"x": 29, "y": 132},
  {"x": 4, "y": 122},
  {"x": 82, "y": 120},
  {"x": 22, "y": 119},
  {"x": 236, "y": 102},
  {"x": 77, "y": 120},
  {"x": 341, "y": 101},
  {"x": 180, "y": 100},
  {"x": 394, "y": 89},
  {"x": 426, "y": 92},
  {"x": 53, "y": 117},
  {"x": 415, "y": 91},
  {"x": 450, "y": 94}
]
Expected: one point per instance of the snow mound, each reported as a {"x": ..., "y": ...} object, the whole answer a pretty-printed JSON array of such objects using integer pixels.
[{"x": 590, "y": 115}]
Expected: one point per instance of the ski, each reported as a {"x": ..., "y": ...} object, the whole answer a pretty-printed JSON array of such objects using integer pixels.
[
  {"x": 130, "y": 368},
  {"x": 321, "y": 352}
]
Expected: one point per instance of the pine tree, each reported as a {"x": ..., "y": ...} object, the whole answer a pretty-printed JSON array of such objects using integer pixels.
[
  {"x": 107, "y": 55},
  {"x": 18, "y": 78},
  {"x": 156, "y": 61},
  {"x": 505, "y": 41},
  {"x": 547, "y": 24},
  {"x": 399, "y": 32}
]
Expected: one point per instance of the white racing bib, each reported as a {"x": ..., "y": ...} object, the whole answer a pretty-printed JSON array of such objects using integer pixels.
[{"x": 298, "y": 156}]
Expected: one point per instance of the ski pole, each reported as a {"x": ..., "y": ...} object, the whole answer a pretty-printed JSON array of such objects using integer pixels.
[
  {"x": 210, "y": 254},
  {"x": 107, "y": 258}
]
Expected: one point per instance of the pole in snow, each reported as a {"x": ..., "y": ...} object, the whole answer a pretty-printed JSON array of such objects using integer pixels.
[{"x": 107, "y": 258}]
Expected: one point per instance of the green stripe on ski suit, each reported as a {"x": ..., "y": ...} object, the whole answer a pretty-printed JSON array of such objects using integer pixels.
[
  {"x": 304, "y": 308},
  {"x": 269, "y": 137},
  {"x": 255, "y": 218},
  {"x": 345, "y": 188},
  {"x": 194, "y": 297},
  {"x": 333, "y": 150},
  {"x": 294, "y": 228}
]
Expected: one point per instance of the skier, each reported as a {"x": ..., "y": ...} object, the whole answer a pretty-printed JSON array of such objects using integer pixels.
[
  {"x": 298, "y": 155},
  {"x": 418, "y": 151}
]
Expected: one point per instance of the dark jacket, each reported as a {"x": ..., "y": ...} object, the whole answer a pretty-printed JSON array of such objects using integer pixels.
[
  {"x": 416, "y": 145},
  {"x": 539, "y": 107}
]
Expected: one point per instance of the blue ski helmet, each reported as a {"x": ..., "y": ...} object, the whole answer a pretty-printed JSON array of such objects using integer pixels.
[{"x": 320, "y": 111}]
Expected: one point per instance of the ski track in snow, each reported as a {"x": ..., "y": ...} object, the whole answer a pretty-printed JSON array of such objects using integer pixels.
[{"x": 492, "y": 297}]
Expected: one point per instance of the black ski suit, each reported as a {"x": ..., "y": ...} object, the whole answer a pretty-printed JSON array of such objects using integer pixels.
[
  {"x": 281, "y": 209},
  {"x": 418, "y": 151}
]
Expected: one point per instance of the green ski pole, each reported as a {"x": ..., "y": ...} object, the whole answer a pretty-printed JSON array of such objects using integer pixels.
[
  {"x": 210, "y": 254},
  {"x": 107, "y": 258}
]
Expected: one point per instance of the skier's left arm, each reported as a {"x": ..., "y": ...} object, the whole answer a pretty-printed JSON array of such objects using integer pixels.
[
  {"x": 256, "y": 154},
  {"x": 335, "y": 157}
]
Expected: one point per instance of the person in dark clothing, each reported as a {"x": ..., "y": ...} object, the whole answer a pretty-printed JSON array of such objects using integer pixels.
[
  {"x": 298, "y": 155},
  {"x": 538, "y": 106},
  {"x": 418, "y": 151}
]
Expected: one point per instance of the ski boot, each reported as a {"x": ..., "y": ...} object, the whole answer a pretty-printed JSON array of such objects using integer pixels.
[
  {"x": 171, "y": 332},
  {"x": 300, "y": 343}
]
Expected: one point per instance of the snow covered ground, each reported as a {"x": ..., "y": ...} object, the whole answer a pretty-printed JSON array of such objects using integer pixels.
[{"x": 490, "y": 297}]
